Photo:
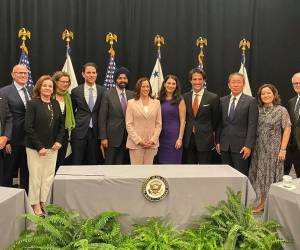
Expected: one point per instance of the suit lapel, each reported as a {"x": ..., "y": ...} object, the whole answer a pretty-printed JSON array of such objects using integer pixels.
[
  {"x": 116, "y": 100},
  {"x": 189, "y": 103},
  {"x": 81, "y": 90},
  {"x": 226, "y": 105},
  {"x": 16, "y": 93},
  {"x": 239, "y": 105},
  {"x": 202, "y": 102},
  {"x": 140, "y": 107},
  {"x": 97, "y": 102}
]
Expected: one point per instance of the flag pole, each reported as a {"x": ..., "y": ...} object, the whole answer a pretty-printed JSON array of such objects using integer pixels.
[
  {"x": 158, "y": 42},
  {"x": 67, "y": 36},
  {"x": 201, "y": 42},
  {"x": 244, "y": 45},
  {"x": 110, "y": 39},
  {"x": 24, "y": 34}
]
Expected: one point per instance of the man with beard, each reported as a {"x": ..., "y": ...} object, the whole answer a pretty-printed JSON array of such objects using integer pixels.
[{"x": 112, "y": 128}]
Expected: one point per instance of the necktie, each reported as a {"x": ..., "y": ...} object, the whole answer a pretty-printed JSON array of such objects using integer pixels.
[
  {"x": 123, "y": 103},
  {"x": 195, "y": 105},
  {"x": 232, "y": 108},
  {"x": 91, "y": 102},
  {"x": 26, "y": 95},
  {"x": 297, "y": 108}
]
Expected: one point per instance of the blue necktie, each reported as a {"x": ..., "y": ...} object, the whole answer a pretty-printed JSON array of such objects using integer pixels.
[
  {"x": 232, "y": 108},
  {"x": 91, "y": 102}
]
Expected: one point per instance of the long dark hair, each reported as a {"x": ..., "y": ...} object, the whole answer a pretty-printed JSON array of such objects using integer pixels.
[
  {"x": 176, "y": 97},
  {"x": 138, "y": 87},
  {"x": 276, "y": 100}
]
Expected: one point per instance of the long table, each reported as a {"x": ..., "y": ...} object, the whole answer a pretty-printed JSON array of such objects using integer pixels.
[
  {"x": 283, "y": 205},
  {"x": 94, "y": 189},
  {"x": 13, "y": 202}
]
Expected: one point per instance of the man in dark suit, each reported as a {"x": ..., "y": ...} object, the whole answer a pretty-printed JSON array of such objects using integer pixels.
[
  {"x": 237, "y": 131},
  {"x": 202, "y": 109},
  {"x": 5, "y": 132},
  {"x": 86, "y": 99},
  {"x": 293, "y": 149},
  {"x": 17, "y": 95},
  {"x": 112, "y": 128}
]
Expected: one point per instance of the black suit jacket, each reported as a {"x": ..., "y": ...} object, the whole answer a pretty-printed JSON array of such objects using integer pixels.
[
  {"x": 295, "y": 136},
  {"x": 111, "y": 119},
  {"x": 17, "y": 109},
  {"x": 38, "y": 134},
  {"x": 241, "y": 131},
  {"x": 5, "y": 118},
  {"x": 205, "y": 122},
  {"x": 82, "y": 112}
]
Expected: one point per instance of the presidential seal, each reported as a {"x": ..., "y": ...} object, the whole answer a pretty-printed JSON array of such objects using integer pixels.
[{"x": 155, "y": 188}]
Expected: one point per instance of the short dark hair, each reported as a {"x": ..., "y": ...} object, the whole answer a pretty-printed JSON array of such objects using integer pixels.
[
  {"x": 138, "y": 87},
  {"x": 91, "y": 64},
  {"x": 197, "y": 70},
  {"x": 276, "y": 101},
  {"x": 176, "y": 98},
  {"x": 236, "y": 74},
  {"x": 37, "y": 87}
]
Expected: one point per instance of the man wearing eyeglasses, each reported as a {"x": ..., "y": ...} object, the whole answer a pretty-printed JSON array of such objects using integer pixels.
[
  {"x": 293, "y": 149},
  {"x": 17, "y": 95}
]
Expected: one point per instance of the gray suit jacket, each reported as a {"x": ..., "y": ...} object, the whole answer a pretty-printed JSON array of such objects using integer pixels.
[
  {"x": 241, "y": 131},
  {"x": 111, "y": 119}
]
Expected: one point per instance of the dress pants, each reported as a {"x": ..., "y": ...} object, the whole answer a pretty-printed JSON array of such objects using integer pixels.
[
  {"x": 41, "y": 174},
  {"x": 117, "y": 155},
  {"x": 86, "y": 150},
  {"x": 61, "y": 155},
  {"x": 16, "y": 160},
  {"x": 236, "y": 161},
  {"x": 292, "y": 157},
  {"x": 193, "y": 156},
  {"x": 143, "y": 156}
]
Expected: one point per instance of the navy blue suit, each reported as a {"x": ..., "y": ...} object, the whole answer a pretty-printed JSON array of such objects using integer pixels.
[
  {"x": 84, "y": 140},
  {"x": 18, "y": 158}
]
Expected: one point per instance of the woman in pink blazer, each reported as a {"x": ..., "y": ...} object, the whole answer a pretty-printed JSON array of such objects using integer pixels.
[{"x": 143, "y": 123}]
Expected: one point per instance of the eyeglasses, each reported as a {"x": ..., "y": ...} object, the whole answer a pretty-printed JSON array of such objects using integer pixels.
[
  {"x": 296, "y": 83},
  {"x": 67, "y": 82},
  {"x": 21, "y": 73}
]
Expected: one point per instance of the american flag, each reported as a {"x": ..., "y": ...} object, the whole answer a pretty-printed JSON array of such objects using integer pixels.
[
  {"x": 109, "y": 76},
  {"x": 24, "y": 60}
]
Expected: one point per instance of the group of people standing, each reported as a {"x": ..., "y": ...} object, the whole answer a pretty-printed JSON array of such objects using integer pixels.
[{"x": 119, "y": 126}]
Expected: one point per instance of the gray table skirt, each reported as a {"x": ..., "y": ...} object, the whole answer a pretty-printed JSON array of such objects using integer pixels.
[
  {"x": 13, "y": 202},
  {"x": 94, "y": 189},
  {"x": 283, "y": 205}
]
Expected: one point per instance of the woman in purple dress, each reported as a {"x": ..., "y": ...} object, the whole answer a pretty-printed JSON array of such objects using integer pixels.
[{"x": 173, "y": 122}]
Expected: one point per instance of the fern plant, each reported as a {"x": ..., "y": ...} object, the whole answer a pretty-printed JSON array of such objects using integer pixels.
[
  {"x": 204, "y": 237},
  {"x": 239, "y": 229},
  {"x": 157, "y": 235},
  {"x": 69, "y": 230}
]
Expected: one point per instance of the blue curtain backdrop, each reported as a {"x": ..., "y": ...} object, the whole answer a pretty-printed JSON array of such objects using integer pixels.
[{"x": 271, "y": 25}]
